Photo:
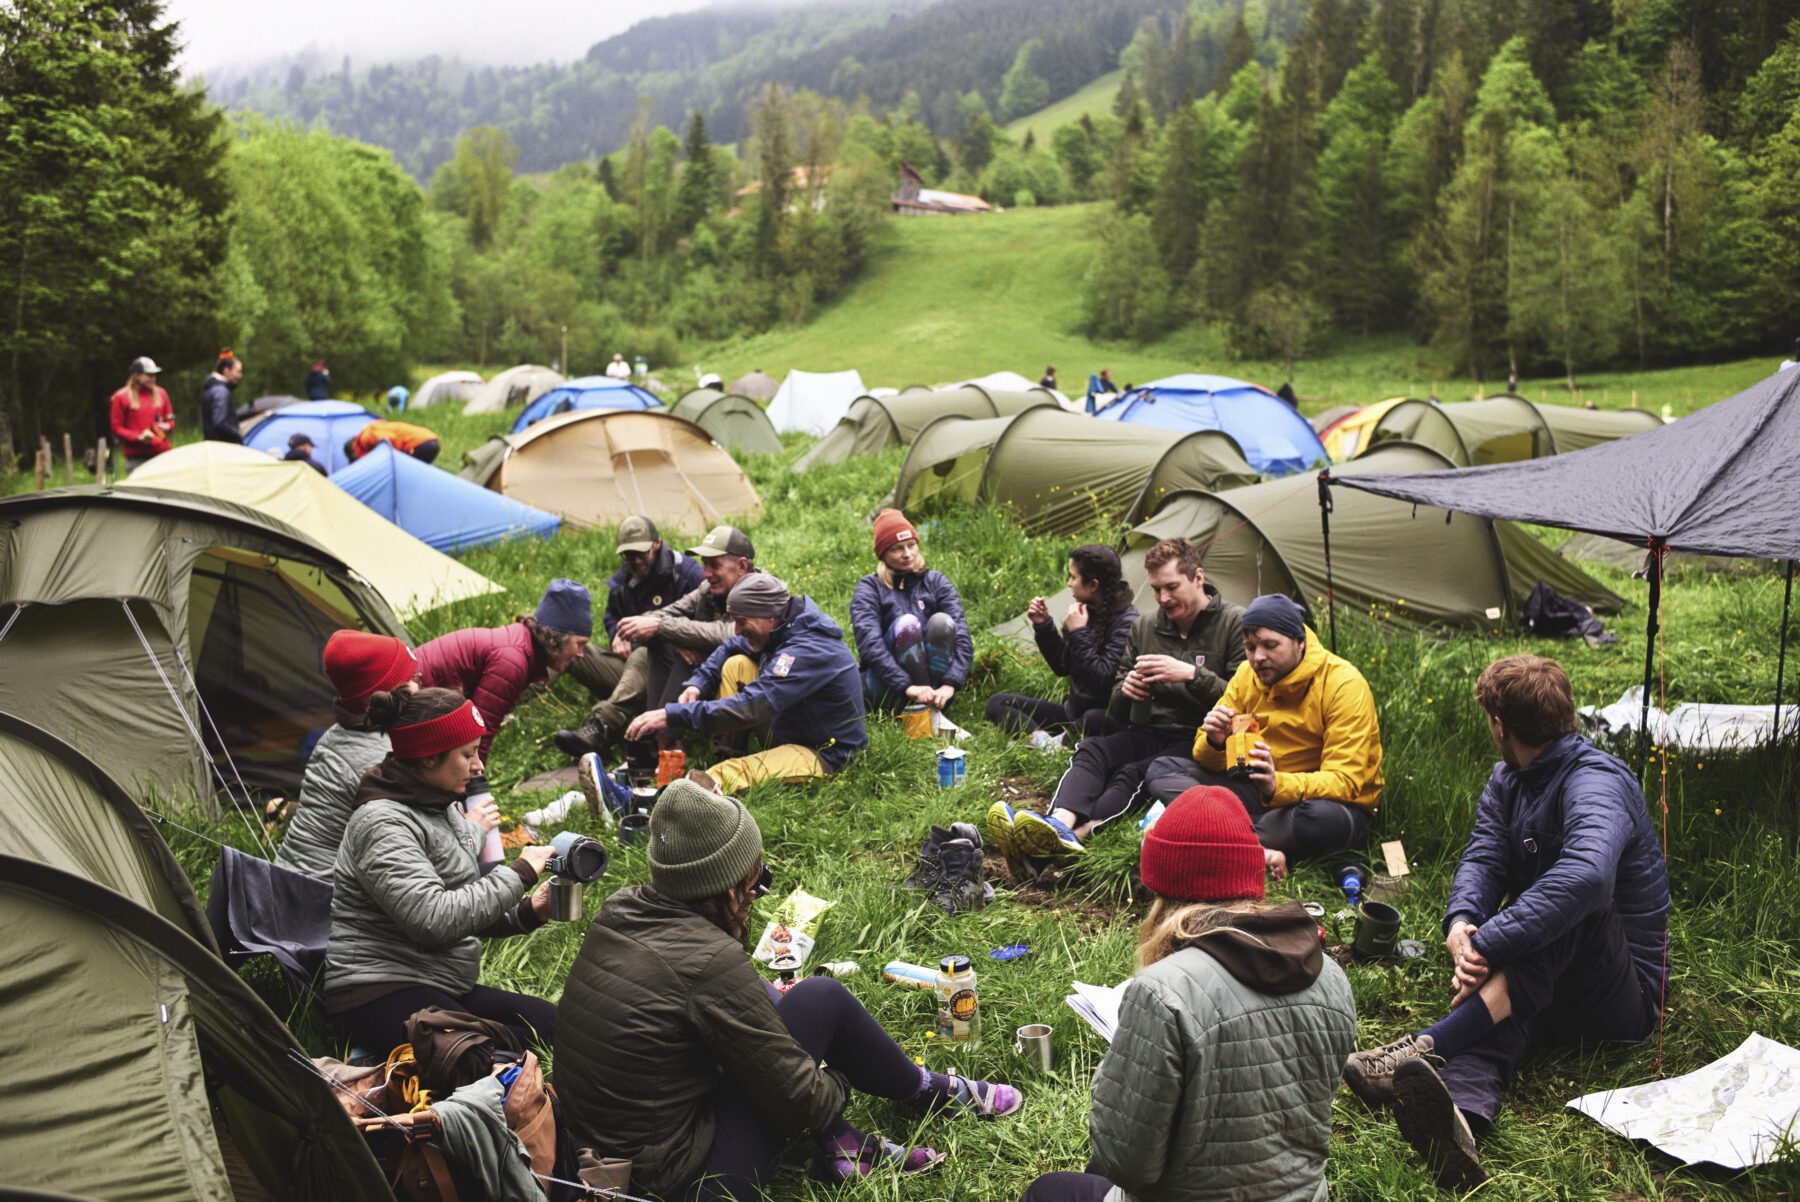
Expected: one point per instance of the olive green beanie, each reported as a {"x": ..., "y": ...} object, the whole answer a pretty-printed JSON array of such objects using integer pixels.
[{"x": 701, "y": 844}]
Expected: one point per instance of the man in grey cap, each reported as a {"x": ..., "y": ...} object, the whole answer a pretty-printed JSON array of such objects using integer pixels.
[
  {"x": 618, "y": 670},
  {"x": 785, "y": 675}
]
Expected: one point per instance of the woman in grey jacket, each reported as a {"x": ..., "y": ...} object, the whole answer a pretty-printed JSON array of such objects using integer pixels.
[
  {"x": 1219, "y": 1081},
  {"x": 409, "y": 903}
]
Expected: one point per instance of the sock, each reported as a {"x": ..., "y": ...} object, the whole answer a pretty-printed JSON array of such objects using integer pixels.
[
  {"x": 935, "y": 1087},
  {"x": 841, "y": 1139},
  {"x": 1458, "y": 1030}
]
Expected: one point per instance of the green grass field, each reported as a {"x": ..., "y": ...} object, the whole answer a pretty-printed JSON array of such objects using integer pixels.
[{"x": 1095, "y": 98}]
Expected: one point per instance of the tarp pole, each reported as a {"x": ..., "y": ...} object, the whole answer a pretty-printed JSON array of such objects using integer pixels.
[
  {"x": 1651, "y": 626},
  {"x": 1325, "y": 529},
  {"x": 1787, "y": 597}
]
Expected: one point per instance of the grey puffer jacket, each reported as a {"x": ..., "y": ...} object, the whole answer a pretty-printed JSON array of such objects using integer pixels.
[
  {"x": 334, "y": 771},
  {"x": 408, "y": 902},
  {"x": 1219, "y": 1081}
]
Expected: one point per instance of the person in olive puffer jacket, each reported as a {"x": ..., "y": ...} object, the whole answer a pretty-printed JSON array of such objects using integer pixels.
[
  {"x": 409, "y": 903},
  {"x": 672, "y": 1053},
  {"x": 1218, "y": 1084}
]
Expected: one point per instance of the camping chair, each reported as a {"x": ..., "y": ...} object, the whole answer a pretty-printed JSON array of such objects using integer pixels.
[{"x": 257, "y": 907}]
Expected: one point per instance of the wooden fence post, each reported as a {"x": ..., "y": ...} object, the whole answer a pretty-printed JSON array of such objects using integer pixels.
[
  {"x": 69, "y": 459},
  {"x": 100, "y": 462}
]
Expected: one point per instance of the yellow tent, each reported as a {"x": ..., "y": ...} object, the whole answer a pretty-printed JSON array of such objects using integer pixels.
[
  {"x": 410, "y": 575},
  {"x": 1350, "y": 433}
]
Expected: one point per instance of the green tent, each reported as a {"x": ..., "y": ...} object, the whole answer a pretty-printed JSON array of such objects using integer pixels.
[
  {"x": 165, "y": 1077},
  {"x": 876, "y": 423},
  {"x": 736, "y": 423},
  {"x": 1420, "y": 567},
  {"x": 172, "y": 636},
  {"x": 1059, "y": 471},
  {"x": 1505, "y": 429}
]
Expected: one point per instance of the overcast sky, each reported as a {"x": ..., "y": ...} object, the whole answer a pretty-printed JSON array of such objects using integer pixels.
[{"x": 218, "y": 32}]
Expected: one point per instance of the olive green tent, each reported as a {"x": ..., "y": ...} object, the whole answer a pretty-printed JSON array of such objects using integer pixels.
[
  {"x": 1420, "y": 567},
  {"x": 173, "y": 637},
  {"x": 736, "y": 423},
  {"x": 1060, "y": 471},
  {"x": 166, "y": 1077},
  {"x": 876, "y": 423},
  {"x": 1505, "y": 429}
]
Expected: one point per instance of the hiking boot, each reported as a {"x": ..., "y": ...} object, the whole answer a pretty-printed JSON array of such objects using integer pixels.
[
  {"x": 960, "y": 886},
  {"x": 966, "y": 830},
  {"x": 606, "y": 797},
  {"x": 1431, "y": 1122},
  {"x": 1370, "y": 1074},
  {"x": 929, "y": 871},
  {"x": 1036, "y": 834},
  {"x": 590, "y": 736}
]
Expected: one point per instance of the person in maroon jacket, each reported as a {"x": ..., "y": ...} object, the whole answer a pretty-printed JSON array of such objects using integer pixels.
[{"x": 493, "y": 666}]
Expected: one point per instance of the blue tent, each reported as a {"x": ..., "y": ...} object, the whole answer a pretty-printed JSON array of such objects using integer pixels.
[
  {"x": 1275, "y": 438},
  {"x": 588, "y": 392},
  {"x": 438, "y": 506},
  {"x": 328, "y": 423}
]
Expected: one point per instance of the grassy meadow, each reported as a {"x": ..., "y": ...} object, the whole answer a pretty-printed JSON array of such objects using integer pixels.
[
  {"x": 1731, "y": 826},
  {"x": 1094, "y": 98}
]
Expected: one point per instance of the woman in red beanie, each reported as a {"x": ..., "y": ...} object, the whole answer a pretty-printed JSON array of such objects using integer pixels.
[
  {"x": 1219, "y": 1081},
  {"x": 911, "y": 636},
  {"x": 409, "y": 903}
]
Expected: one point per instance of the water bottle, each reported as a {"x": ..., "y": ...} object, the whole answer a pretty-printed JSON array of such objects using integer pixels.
[
  {"x": 475, "y": 794},
  {"x": 959, "y": 1006}
]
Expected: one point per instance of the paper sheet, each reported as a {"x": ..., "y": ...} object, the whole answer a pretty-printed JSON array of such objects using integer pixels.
[
  {"x": 1732, "y": 1113},
  {"x": 1098, "y": 1006}
]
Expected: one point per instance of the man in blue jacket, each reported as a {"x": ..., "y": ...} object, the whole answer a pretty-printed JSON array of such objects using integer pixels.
[
  {"x": 218, "y": 419},
  {"x": 1557, "y": 923},
  {"x": 785, "y": 672}
]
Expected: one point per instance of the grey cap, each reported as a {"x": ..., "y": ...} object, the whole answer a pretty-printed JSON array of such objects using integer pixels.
[
  {"x": 725, "y": 540},
  {"x": 701, "y": 843},
  {"x": 145, "y": 364},
  {"x": 758, "y": 595},
  {"x": 637, "y": 533}
]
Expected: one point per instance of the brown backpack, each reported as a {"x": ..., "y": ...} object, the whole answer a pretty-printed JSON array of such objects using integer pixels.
[{"x": 453, "y": 1049}]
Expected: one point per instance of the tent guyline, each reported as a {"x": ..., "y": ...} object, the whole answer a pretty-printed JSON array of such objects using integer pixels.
[
  {"x": 1787, "y": 598},
  {"x": 1325, "y": 507}
]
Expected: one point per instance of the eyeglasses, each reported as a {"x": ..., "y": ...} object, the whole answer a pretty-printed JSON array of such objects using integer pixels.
[{"x": 765, "y": 881}]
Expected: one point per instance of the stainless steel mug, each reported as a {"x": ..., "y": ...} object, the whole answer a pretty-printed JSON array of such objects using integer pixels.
[
  {"x": 1033, "y": 1041},
  {"x": 565, "y": 900}
]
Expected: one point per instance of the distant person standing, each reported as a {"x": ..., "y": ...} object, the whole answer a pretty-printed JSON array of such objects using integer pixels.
[
  {"x": 618, "y": 369},
  {"x": 141, "y": 414},
  {"x": 318, "y": 381},
  {"x": 1048, "y": 379},
  {"x": 218, "y": 417}
]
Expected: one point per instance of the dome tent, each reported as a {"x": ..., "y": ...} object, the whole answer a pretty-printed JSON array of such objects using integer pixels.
[
  {"x": 873, "y": 424},
  {"x": 756, "y": 385},
  {"x": 1274, "y": 437},
  {"x": 513, "y": 387},
  {"x": 736, "y": 423},
  {"x": 1058, "y": 471},
  {"x": 813, "y": 402},
  {"x": 437, "y": 508},
  {"x": 588, "y": 392},
  {"x": 329, "y": 424},
  {"x": 446, "y": 386},
  {"x": 201, "y": 622},
  {"x": 596, "y": 467}
]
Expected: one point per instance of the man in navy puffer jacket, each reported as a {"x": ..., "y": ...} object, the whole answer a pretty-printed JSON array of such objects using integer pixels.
[{"x": 1557, "y": 922}]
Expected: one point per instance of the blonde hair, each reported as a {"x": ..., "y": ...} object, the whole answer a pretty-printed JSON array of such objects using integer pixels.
[
  {"x": 1172, "y": 925},
  {"x": 886, "y": 574}
]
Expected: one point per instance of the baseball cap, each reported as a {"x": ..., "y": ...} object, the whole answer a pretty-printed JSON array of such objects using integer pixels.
[
  {"x": 637, "y": 533},
  {"x": 145, "y": 364},
  {"x": 725, "y": 540}
]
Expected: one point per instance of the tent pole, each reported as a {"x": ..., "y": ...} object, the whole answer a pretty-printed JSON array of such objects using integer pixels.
[
  {"x": 1787, "y": 597},
  {"x": 1651, "y": 627},
  {"x": 1325, "y": 529}
]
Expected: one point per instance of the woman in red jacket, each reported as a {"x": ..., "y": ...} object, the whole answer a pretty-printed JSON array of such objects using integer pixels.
[
  {"x": 141, "y": 414},
  {"x": 493, "y": 666}
]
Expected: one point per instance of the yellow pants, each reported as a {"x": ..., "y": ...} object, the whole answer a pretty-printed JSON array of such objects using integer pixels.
[{"x": 789, "y": 761}]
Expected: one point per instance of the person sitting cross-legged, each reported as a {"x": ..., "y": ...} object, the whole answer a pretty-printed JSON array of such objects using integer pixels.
[
  {"x": 785, "y": 676},
  {"x": 1557, "y": 923},
  {"x": 911, "y": 635},
  {"x": 1314, "y": 777}
]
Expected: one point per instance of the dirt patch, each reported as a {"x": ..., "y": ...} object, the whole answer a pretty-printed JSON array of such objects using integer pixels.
[{"x": 1021, "y": 793}]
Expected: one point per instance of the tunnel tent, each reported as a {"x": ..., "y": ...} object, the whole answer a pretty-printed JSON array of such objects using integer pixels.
[
  {"x": 1346, "y": 429},
  {"x": 1274, "y": 438},
  {"x": 1497, "y": 429},
  {"x": 874, "y": 424},
  {"x": 200, "y": 621},
  {"x": 1058, "y": 471},
  {"x": 756, "y": 385},
  {"x": 1577, "y": 429},
  {"x": 329, "y": 424},
  {"x": 813, "y": 402},
  {"x": 736, "y": 423},
  {"x": 441, "y": 510},
  {"x": 596, "y": 467},
  {"x": 446, "y": 386},
  {"x": 587, "y": 392},
  {"x": 512, "y": 388}
]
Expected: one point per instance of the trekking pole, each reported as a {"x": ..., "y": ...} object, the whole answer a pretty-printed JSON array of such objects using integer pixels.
[{"x": 1325, "y": 506}]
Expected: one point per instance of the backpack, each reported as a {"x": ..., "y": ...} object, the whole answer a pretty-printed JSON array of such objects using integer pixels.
[{"x": 453, "y": 1049}]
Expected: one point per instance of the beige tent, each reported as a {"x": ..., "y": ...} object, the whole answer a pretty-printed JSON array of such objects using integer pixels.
[
  {"x": 409, "y": 574},
  {"x": 1059, "y": 471},
  {"x": 1503, "y": 429},
  {"x": 874, "y": 424},
  {"x": 596, "y": 467},
  {"x": 512, "y": 388}
]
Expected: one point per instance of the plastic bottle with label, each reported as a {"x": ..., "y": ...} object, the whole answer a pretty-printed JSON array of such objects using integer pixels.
[{"x": 959, "y": 1004}]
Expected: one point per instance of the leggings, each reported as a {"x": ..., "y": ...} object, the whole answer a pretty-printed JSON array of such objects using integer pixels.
[
  {"x": 1068, "y": 1187},
  {"x": 379, "y": 1026},
  {"x": 828, "y": 1021},
  {"x": 1015, "y": 712},
  {"x": 925, "y": 650}
]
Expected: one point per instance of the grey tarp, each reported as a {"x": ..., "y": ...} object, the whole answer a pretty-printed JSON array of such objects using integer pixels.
[
  {"x": 874, "y": 424},
  {"x": 736, "y": 423}
]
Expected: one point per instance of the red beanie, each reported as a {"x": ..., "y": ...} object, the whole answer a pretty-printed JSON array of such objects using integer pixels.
[
  {"x": 361, "y": 664},
  {"x": 1203, "y": 848},
  {"x": 442, "y": 733},
  {"x": 890, "y": 527}
]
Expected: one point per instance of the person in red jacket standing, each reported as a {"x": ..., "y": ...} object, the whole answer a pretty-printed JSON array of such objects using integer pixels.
[
  {"x": 493, "y": 666},
  {"x": 141, "y": 414}
]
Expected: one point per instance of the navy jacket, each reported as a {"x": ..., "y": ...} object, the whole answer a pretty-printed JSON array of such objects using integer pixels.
[
  {"x": 807, "y": 688},
  {"x": 318, "y": 385},
  {"x": 218, "y": 418},
  {"x": 671, "y": 578},
  {"x": 1563, "y": 839},
  {"x": 875, "y": 606},
  {"x": 1088, "y": 658}
]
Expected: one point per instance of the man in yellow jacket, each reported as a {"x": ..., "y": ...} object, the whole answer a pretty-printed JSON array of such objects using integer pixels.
[{"x": 1312, "y": 778}]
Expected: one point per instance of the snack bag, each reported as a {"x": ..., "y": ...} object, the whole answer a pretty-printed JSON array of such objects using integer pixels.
[
  {"x": 1244, "y": 729},
  {"x": 793, "y": 929}
]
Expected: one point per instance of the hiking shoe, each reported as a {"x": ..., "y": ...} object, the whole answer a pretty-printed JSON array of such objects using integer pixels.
[
  {"x": 590, "y": 736},
  {"x": 960, "y": 886},
  {"x": 606, "y": 797},
  {"x": 1370, "y": 1074},
  {"x": 929, "y": 872},
  {"x": 1433, "y": 1125},
  {"x": 966, "y": 830},
  {"x": 1036, "y": 834},
  {"x": 997, "y": 825}
]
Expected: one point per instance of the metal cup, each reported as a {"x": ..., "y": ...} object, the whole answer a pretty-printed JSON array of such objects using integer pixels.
[
  {"x": 565, "y": 900},
  {"x": 1377, "y": 928},
  {"x": 634, "y": 828},
  {"x": 1033, "y": 1041}
]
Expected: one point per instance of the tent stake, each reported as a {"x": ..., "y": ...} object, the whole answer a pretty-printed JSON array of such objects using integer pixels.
[
  {"x": 1787, "y": 597},
  {"x": 1325, "y": 529},
  {"x": 1651, "y": 627}
]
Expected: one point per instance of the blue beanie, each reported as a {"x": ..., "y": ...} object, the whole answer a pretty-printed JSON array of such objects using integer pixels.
[
  {"x": 566, "y": 607},
  {"x": 1277, "y": 612}
]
